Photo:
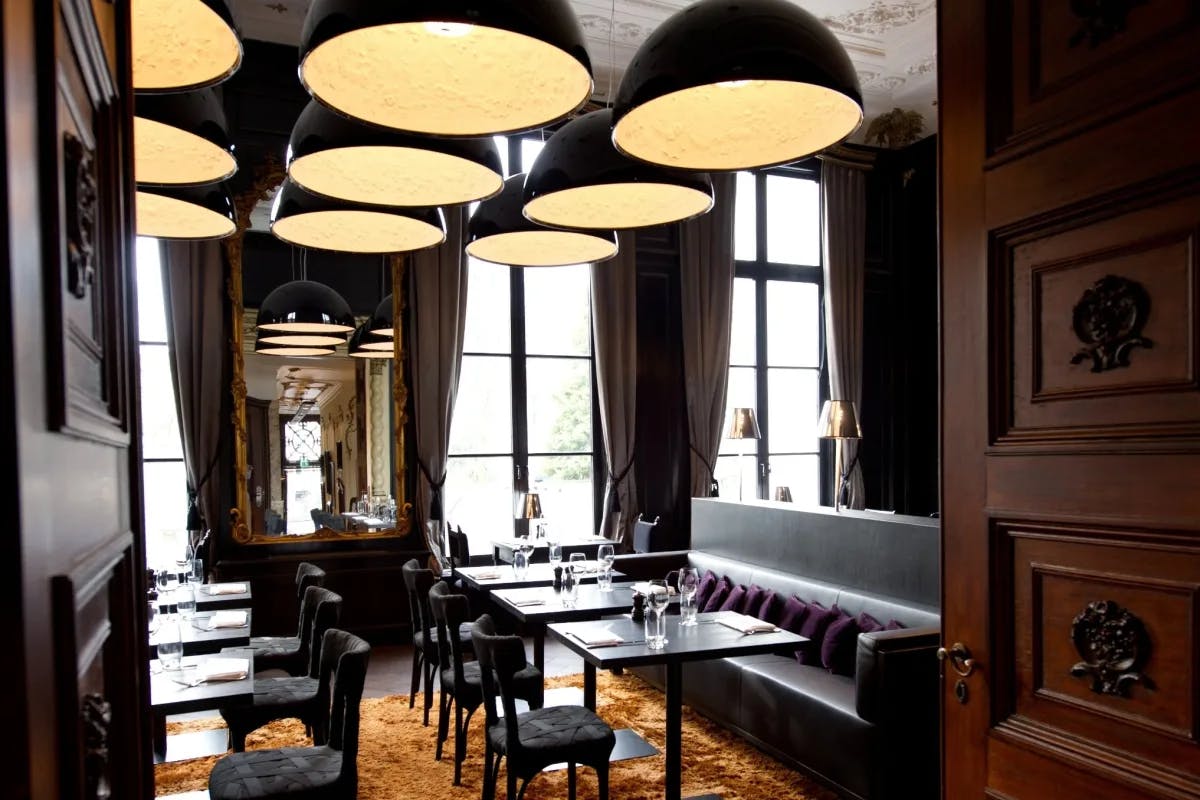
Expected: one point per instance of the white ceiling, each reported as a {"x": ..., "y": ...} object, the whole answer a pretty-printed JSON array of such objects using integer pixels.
[{"x": 891, "y": 42}]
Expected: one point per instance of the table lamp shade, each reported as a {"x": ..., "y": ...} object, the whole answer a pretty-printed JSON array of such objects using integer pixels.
[
  {"x": 531, "y": 506},
  {"x": 744, "y": 425},
  {"x": 839, "y": 420}
]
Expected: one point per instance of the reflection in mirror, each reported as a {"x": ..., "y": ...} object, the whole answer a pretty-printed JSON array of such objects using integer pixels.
[{"x": 319, "y": 444}]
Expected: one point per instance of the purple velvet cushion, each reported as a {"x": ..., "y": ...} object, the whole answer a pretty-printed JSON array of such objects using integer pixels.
[
  {"x": 893, "y": 625},
  {"x": 868, "y": 624},
  {"x": 736, "y": 601},
  {"x": 754, "y": 597},
  {"x": 707, "y": 584},
  {"x": 771, "y": 609},
  {"x": 840, "y": 645},
  {"x": 813, "y": 628},
  {"x": 718, "y": 595},
  {"x": 793, "y": 614}
]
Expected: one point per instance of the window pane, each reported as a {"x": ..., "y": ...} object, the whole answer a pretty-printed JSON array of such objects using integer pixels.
[
  {"x": 557, "y": 311},
  {"x": 164, "y": 486},
  {"x": 303, "y": 495},
  {"x": 479, "y": 499},
  {"x": 560, "y": 405},
  {"x": 564, "y": 485},
  {"x": 793, "y": 324},
  {"x": 731, "y": 480},
  {"x": 744, "y": 335},
  {"x": 741, "y": 394},
  {"x": 801, "y": 474},
  {"x": 793, "y": 221},
  {"x": 745, "y": 209},
  {"x": 160, "y": 422},
  {"x": 792, "y": 402},
  {"x": 488, "y": 329},
  {"x": 529, "y": 151},
  {"x": 152, "y": 316},
  {"x": 502, "y": 146},
  {"x": 483, "y": 411}
]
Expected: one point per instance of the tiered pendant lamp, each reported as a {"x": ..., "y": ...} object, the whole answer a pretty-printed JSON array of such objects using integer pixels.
[
  {"x": 725, "y": 85},
  {"x": 185, "y": 212},
  {"x": 363, "y": 346},
  {"x": 181, "y": 139},
  {"x": 183, "y": 44},
  {"x": 267, "y": 349},
  {"x": 332, "y": 156},
  {"x": 580, "y": 180},
  {"x": 383, "y": 321},
  {"x": 305, "y": 307},
  {"x": 499, "y": 232},
  {"x": 447, "y": 67},
  {"x": 307, "y": 220}
]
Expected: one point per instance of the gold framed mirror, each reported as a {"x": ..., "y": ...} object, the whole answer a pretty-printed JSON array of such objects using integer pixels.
[{"x": 318, "y": 442}]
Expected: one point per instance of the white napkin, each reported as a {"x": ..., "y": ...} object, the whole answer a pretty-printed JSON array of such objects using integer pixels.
[
  {"x": 487, "y": 576},
  {"x": 225, "y": 588},
  {"x": 225, "y": 669},
  {"x": 645, "y": 588},
  {"x": 529, "y": 601},
  {"x": 595, "y": 635},
  {"x": 746, "y": 623},
  {"x": 229, "y": 619}
]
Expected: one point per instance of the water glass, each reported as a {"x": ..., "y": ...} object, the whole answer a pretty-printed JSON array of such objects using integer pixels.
[
  {"x": 689, "y": 582},
  {"x": 657, "y": 600},
  {"x": 170, "y": 645},
  {"x": 604, "y": 579},
  {"x": 196, "y": 571},
  {"x": 554, "y": 549},
  {"x": 578, "y": 563},
  {"x": 569, "y": 594},
  {"x": 606, "y": 555},
  {"x": 185, "y": 600},
  {"x": 520, "y": 563}
]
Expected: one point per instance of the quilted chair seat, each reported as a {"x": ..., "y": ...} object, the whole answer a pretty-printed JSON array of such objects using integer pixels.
[{"x": 559, "y": 733}]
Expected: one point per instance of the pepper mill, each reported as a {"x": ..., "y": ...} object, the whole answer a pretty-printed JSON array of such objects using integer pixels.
[
  {"x": 558, "y": 570},
  {"x": 638, "y": 613}
]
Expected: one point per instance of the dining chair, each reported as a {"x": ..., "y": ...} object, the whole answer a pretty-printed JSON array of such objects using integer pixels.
[
  {"x": 460, "y": 548},
  {"x": 305, "y": 698},
  {"x": 532, "y": 740},
  {"x": 418, "y": 581},
  {"x": 290, "y": 653},
  {"x": 462, "y": 686},
  {"x": 327, "y": 771}
]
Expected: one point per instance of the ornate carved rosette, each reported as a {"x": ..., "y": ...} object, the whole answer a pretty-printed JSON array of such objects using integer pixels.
[
  {"x": 1114, "y": 646},
  {"x": 1109, "y": 319}
]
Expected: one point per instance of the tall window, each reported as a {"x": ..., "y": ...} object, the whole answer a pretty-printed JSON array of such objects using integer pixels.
[
  {"x": 524, "y": 419},
  {"x": 777, "y": 347},
  {"x": 164, "y": 479}
]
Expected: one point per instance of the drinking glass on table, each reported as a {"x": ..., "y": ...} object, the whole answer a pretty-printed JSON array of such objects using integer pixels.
[
  {"x": 688, "y": 582},
  {"x": 606, "y": 556},
  {"x": 554, "y": 550},
  {"x": 195, "y": 571},
  {"x": 520, "y": 562},
  {"x": 569, "y": 593},
  {"x": 185, "y": 601},
  {"x": 170, "y": 645},
  {"x": 656, "y": 614}
]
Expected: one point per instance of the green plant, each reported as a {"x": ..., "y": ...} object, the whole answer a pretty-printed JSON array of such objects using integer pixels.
[{"x": 896, "y": 128}]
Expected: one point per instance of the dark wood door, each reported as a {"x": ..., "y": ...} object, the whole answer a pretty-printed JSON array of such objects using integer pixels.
[
  {"x": 75, "y": 692},
  {"x": 1070, "y": 225}
]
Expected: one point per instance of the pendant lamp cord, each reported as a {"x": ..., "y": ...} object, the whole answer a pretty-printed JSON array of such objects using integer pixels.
[{"x": 612, "y": 51}]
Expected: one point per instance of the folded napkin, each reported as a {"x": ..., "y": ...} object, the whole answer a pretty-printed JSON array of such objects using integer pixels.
[
  {"x": 528, "y": 601},
  {"x": 746, "y": 624},
  {"x": 224, "y": 669},
  {"x": 487, "y": 576},
  {"x": 645, "y": 588},
  {"x": 229, "y": 619},
  {"x": 596, "y": 635},
  {"x": 224, "y": 588}
]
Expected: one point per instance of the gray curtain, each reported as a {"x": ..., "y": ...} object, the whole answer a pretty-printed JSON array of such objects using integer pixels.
[
  {"x": 193, "y": 279},
  {"x": 706, "y": 268},
  {"x": 614, "y": 328},
  {"x": 437, "y": 314},
  {"x": 844, "y": 228}
]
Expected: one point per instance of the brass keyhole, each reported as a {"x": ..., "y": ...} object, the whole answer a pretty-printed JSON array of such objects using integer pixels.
[{"x": 960, "y": 691}]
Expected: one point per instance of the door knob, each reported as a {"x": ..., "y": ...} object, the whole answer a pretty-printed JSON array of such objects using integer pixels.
[{"x": 959, "y": 657}]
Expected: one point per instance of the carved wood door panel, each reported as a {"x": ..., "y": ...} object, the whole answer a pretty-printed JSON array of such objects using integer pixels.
[{"x": 1070, "y": 225}]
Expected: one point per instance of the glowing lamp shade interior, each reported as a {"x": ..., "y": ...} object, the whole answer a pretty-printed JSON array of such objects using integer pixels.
[
  {"x": 195, "y": 213},
  {"x": 300, "y": 339},
  {"x": 332, "y": 156},
  {"x": 580, "y": 180},
  {"x": 182, "y": 44},
  {"x": 181, "y": 139},
  {"x": 500, "y": 233},
  {"x": 306, "y": 220},
  {"x": 459, "y": 68},
  {"x": 305, "y": 307},
  {"x": 383, "y": 321},
  {"x": 287, "y": 351},
  {"x": 361, "y": 345},
  {"x": 726, "y": 86}
]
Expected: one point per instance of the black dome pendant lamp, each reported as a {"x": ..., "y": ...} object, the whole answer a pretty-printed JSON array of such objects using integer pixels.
[
  {"x": 362, "y": 346},
  {"x": 185, "y": 212},
  {"x": 336, "y": 157},
  {"x": 306, "y": 220},
  {"x": 305, "y": 307},
  {"x": 179, "y": 45},
  {"x": 447, "y": 67},
  {"x": 736, "y": 84},
  {"x": 500, "y": 233},
  {"x": 383, "y": 321},
  {"x": 181, "y": 139},
  {"x": 579, "y": 180}
]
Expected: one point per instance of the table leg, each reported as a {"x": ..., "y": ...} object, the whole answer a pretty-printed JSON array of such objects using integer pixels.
[
  {"x": 674, "y": 729},
  {"x": 160, "y": 736},
  {"x": 589, "y": 686},
  {"x": 539, "y": 647}
]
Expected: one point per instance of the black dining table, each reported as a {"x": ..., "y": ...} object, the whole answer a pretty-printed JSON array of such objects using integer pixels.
[
  {"x": 200, "y": 637},
  {"x": 173, "y": 692},
  {"x": 503, "y": 550},
  {"x": 705, "y": 640},
  {"x": 503, "y": 576},
  {"x": 217, "y": 596}
]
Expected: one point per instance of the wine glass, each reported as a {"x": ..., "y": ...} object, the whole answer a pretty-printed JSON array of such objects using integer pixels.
[
  {"x": 578, "y": 563},
  {"x": 606, "y": 555},
  {"x": 656, "y": 614},
  {"x": 688, "y": 582}
]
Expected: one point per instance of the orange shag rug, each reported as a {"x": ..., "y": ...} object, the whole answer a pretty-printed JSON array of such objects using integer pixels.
[{"x": 396, "y": 754}]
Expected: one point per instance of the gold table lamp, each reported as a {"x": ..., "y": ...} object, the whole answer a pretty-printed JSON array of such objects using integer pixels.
[
  {"x": 531, "y": 509},
  {"x": 839, "y": 421},
  {"x": 743, "y": 425}
]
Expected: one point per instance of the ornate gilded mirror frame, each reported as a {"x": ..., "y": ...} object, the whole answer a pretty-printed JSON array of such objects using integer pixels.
[{"x": 266, "y": 178}]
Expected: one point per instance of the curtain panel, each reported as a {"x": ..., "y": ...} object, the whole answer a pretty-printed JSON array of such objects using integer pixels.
[
  {"x": 614, "y": 330},
  {"x": 193, "y": 279},
  {"x": 844, "y": 229},
  {"x": 437, "y": 315},
  {"x": 707, "y": 266}
]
